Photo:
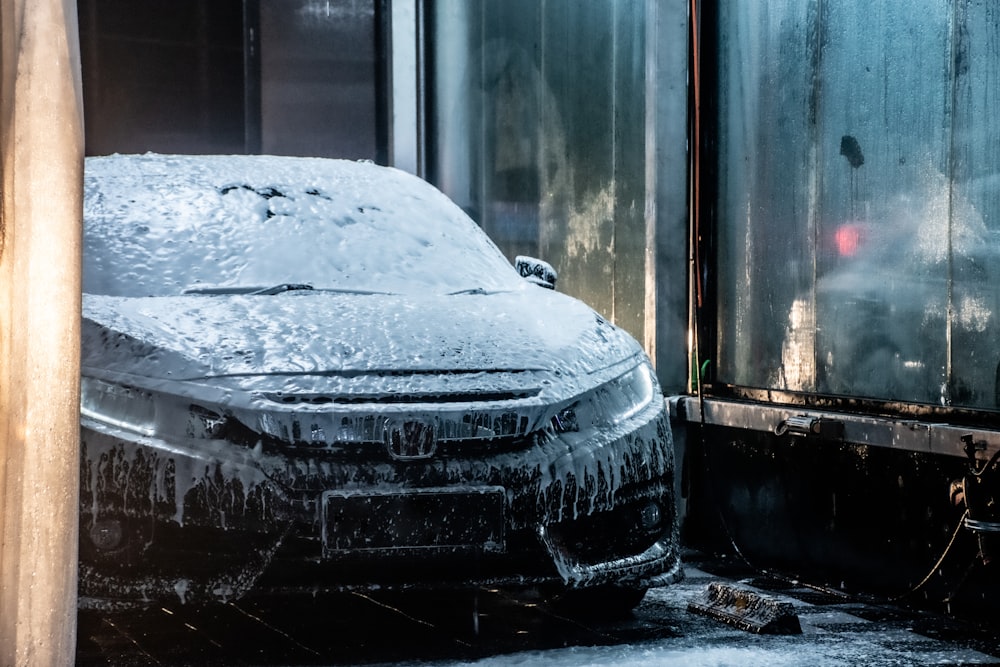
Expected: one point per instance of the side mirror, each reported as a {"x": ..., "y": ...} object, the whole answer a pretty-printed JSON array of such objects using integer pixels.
[{"x": 536, "y": 271}]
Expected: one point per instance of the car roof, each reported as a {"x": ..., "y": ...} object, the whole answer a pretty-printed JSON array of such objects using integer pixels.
[{"x": 162, "y": 224}]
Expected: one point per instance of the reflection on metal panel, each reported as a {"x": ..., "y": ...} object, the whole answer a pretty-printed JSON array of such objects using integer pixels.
[
  {"x": 318, "y": 78},
  {"x": 858, "y": 203},
  {"x": 539, "y": 132}
]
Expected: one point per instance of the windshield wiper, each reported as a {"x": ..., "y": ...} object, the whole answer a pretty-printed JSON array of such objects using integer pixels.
[
  {"x": 276, "y": 289},
  {"x": 255, "y": 290},
  {"x": 283, "y": 287},
  {"x": 477, "y": 291}
]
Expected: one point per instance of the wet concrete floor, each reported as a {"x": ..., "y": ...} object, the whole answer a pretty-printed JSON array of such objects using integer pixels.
[{"x": 496, "y": 629}]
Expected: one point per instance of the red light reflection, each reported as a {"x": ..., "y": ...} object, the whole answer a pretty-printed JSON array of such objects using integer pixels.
[{"x": 848, "y": 239}]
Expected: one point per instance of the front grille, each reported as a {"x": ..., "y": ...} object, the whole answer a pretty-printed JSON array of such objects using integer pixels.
[
  {"x": 376, "y": 451},
  {"x": 332, "y": 433},
  {"x": 434, "y": 398}
]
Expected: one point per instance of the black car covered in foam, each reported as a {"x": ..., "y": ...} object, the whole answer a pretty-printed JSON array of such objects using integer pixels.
[{"x": 303, "y": 374}]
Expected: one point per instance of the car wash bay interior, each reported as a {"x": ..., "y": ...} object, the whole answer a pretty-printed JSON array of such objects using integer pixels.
[
  {"x": 842, "y": 238},
  {"x": 563, "y": 128}
]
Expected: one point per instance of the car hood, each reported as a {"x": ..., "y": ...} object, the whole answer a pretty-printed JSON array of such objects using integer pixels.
[{"x": 199, "y": 337}]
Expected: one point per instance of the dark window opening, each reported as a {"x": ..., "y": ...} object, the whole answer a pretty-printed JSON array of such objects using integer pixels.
[
  {"x": 236, "y": 76},
  {"x": 166, "y": 81}
]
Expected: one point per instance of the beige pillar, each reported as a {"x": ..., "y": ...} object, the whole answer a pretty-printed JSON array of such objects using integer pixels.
[{"x": 41, "y": 163}]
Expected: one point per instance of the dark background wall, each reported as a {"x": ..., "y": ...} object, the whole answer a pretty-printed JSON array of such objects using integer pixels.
[{"x": 233, "y": 76}]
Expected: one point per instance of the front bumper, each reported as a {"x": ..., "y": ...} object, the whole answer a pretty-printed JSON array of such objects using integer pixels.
[{"x": 211, "y": 519}]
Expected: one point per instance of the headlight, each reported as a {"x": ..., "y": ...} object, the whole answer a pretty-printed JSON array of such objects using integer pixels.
[
  {"x": 118, "y": 405},
  {"x": 146, "y": 412},
  {"x": 610, "y": 404}
]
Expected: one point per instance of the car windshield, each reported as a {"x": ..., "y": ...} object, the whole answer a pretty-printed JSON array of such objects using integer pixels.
[{"x": 165, "y": 225}]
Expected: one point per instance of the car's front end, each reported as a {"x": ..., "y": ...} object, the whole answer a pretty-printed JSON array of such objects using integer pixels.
[{"x": 202, "y": 484}]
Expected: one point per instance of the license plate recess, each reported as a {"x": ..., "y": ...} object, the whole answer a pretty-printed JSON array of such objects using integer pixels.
[{"x": 413, "y": 520}]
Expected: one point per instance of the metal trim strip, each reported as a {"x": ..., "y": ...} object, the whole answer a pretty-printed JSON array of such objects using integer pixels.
[{"x": 859, "y": 429}]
